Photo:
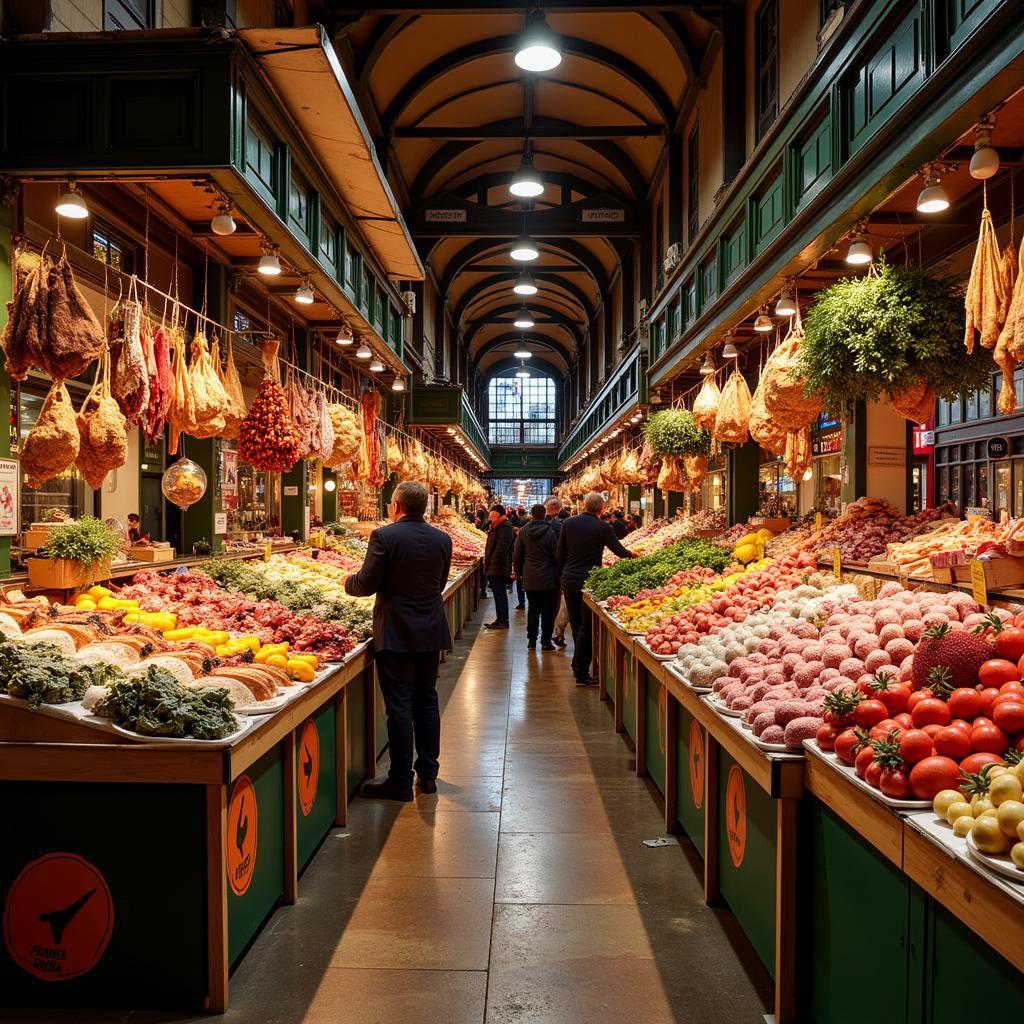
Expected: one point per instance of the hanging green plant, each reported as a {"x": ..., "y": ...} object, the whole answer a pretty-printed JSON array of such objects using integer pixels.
[
  {"x": 675, "y": 432},
  {"x": 884, "y": 333}
]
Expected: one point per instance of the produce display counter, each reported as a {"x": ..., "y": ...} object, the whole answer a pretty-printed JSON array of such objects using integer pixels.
[
  {"x": 866, "y": 870},
  {"x": 926, "y": 583}
]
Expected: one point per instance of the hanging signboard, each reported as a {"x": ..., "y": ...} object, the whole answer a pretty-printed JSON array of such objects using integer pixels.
[
  {"x": 229, "y": 478},
  {"x": 998, "y": 447},
  {"x": 445, "y": 216},
  {"x": 603, "y": 216},
  {"x": 8, "y": 497}
]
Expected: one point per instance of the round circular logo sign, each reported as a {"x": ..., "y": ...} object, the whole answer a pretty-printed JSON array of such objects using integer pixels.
[
  {"x": 696, "y": 763},
  {"x": 735, "y": 812},
  {"x": 58, "y": 917},
  {"x": 243, "y": 830},
  {"x": 309, "y": 765}
]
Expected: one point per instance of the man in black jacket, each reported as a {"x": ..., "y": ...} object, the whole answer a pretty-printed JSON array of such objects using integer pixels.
[
  {"x": 534, "y": 563},
  {"x": 553, "y": 507},
  {"x": 501, "y": 538},
  {"x": 581, "y": 544},
  {"x": 619, "y": 524},
  {"x": 406, "y": 566}
]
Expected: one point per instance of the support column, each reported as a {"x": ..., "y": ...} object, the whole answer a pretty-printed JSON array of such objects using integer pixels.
[
  {"x": 855, "y": 454},
  {"x": 6, "y": 289},
  {"x": 743, "y": 497},
  {"x": 295, "y": 505}
]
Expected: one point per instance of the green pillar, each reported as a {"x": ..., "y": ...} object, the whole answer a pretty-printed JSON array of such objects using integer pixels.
[
  {"x": 197, "y": 521},
  {"x": 6, "y": 276},
  {"x": 295, "y": 505},
  {"x": 743, "y": 497},
  {"x": 330, "y": 502},
  {"x": 855, "y": 453}
]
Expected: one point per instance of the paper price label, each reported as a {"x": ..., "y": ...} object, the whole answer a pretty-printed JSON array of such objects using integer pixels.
[
  {"x": 837, "y": 563},
  {"x": 266, "y": 551},
  {"x": 979, "y": 587},
  {"x": 817, "y": 522}
]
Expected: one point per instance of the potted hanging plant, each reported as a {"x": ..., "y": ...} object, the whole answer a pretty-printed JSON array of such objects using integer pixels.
[
  {"x": 684, "y": 446},
  {"x": 895, "y": 332},
  {"x": 76, "y": 554}
]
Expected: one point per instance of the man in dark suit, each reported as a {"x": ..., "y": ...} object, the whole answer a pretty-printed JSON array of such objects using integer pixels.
[
  {"x": 581, "y": 544},
  {"x": 406, "y": 566},
  {"x": 534, "y": 563},
  {"x": 553, "y": 514},
  {"x": 501, "y": 538}
]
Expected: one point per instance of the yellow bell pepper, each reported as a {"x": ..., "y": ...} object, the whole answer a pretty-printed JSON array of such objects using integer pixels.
[
  {"x": 97, "y": 592},
  {"x": 278, "y": 661},
  {"x": 188, "y": 633},
  {"x": 250, "y": 641},
  {"x": 301, "y": 670},
  {"x": 217, "y": 638},
  {"x": 312, "y": 659},
  {"x": 268, "y": 650},
  {"x": 106, "y": 604},
  {"x": 85, "y": 604}
]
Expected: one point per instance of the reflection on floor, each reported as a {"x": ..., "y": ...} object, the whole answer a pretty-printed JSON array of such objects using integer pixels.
[{"x": 520, "y": 893}]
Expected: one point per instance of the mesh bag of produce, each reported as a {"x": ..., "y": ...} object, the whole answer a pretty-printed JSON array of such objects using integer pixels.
[
  {"x": 784, "y": 397},
  {"x": 629, "y": 469},
  {"x": 987, "y": 299},
  {"x": 393, "y": 453},
  {"x": 917, "y": 403},
  {"x": 179, "y": 412},
  {"x": 347, "y": 435},
  {"x": 102, "y": 431},
  {"x": 731, "y": 423},
  {"x": 671, "y": 477},
  {"x": 696, "y": 467},
  {"x": 209, "y": 399},
  {"x": 52, "y": 444},
  {"x": 705, "y": 405},
  {"x": 235, "y": 410},
  {"x": 771, "y": 436}
]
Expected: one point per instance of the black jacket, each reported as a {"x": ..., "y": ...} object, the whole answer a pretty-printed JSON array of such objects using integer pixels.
[
  {"x": 534, "y": 556},
  {"x": 555, "y": 523},
  {"x": 406, "y": 566},
  {"x": 620, "y": 528},
  {"x": 581, "y": 543},
  {"x": 498, "y": 550}
]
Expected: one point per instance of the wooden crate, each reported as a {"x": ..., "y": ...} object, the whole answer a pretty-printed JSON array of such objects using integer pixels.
[
  {"x": 942, "y": 573},
  {"x": 775, "y": 525},
  {"x": 63, "y": 573},
  {"x": 151, "y": 554},
  {"x": 1000, "y": 573}
]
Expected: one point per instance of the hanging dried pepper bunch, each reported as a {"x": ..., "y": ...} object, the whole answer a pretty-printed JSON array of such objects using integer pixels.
[{"x": 267, "y": 438}]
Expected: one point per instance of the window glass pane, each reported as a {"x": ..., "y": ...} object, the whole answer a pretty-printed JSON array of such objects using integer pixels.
[
  {"x": 985, "y": 403},
  {"x": 983, "y": 497},
  {"x": 972, "y": 407},
  {"x": 521, "y": 410}
]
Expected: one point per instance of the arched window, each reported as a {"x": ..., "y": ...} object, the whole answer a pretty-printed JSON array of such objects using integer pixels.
[{"x": 521, "y": 410}]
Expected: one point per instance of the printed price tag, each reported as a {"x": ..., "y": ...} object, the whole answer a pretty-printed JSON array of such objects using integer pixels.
[
  {"x": 837, "y": 563},
  {"x": 266, "y": 551},
  {"x": 817, "y": 522},
  {"x": 978, "y": 586}
]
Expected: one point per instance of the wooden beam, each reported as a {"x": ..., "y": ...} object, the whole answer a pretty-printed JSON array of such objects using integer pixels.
[{"x": 519, "y": 131}]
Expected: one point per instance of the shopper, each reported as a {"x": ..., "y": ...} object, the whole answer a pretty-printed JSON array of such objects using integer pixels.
[
  {"x": 518, "y": 523},
  {"x": 406, "y": 566},
  {"x": 554, "y": 510},
  {"x": 534, "y": 563},
  {"x": 619, "y": 524},
  {"x": 581, "y": 545},
  {"x": 136, "y": 538},
  {"x": 498, "y": 563}
]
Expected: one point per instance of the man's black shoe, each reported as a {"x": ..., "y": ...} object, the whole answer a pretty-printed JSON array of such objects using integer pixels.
[
  {"x": 531, "y": 645},
  {"x": 548, "y": 647},
  {"x": 589, "y": 681},
  {"x": 495, "y": 625},
  {"x": 387, "y": 790},
  {"x": 520, "y": 607},
  {"x": 428, "y": 785},
  {"x": 558, "y": 642}
]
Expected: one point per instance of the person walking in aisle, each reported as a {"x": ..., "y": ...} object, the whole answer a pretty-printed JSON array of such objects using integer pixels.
[
  {"x": 534, "y": 563},
  {"x": 498, "y": 563},
  {"x": 581, "y": 544},
  {"x": 619, "y": 524},
  {"x": 518, "y": 520},
  {"x": 406, "y": 567},
  {"x": 553, "y": 507}
]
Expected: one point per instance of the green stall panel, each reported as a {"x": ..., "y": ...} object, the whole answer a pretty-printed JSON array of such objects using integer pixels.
[
  {"x": 852, "y": 883},
  {"x": 139, "y": 936},
  {"x": 358, "y": 754},
  {"x": 746, "y": 855},
  {"x": 380, "y": 714},
  {"x": 655, "y": 730},
  {"x": 316, "y": 780},
  {"x": 255, "y": 849},
  {"x": 629, "y": 696},
  {"x": 691, "y": 754},
  {"x": 608, "y": 642}
]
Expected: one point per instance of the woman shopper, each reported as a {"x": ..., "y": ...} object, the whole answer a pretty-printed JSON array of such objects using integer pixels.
[
  {"x": 498, "y": 563},
  {"x": 534, "y": 563}
]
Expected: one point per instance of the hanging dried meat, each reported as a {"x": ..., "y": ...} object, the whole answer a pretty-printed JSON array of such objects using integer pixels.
[
  {"x": 696, "y": 467},
  {"x": 21, "y": 340},
  {"x": 207, "y": 400},
  {"x": 179, "y": 412},
  {"x": 987, "y": 299},
  {"x": 731, "y": 423},
  {"x": 267, "y": 439},
  {"x": 102, "y": 430},
  {"x": 797, "y": 458},
  {"x": 369, "y": 452},
  {"x": 232, "y": 384},
  {"x": 347, "y": 435},
  {"x": 785, "y": 400},
  {"x": 301, "y": 414},
  {"x": 705, "y": 405},
  {"x": 52, "y": 444},
  {"x": 74, "y": 337},
  {"x": 393, "y": 453},
  {"x": 161, "y": 382},
  {"x": 325, "y": 430},
  {"x": 129, "y": 378},
  {"x": 672, "y": 476}
]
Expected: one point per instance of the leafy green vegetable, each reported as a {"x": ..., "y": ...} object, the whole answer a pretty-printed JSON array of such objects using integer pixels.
[
  {"x": 89, "y": 541},
  {"x": 631, "y": 575},
  {"x": 40, "y": 674},
  {"x": 675, "y": 432},
  {"x": 156, "y": 704}
]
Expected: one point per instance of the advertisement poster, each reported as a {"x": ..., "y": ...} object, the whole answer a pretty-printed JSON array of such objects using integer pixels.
[
  {"x": 229, "y": 478},
  {"x": 8, "y": 497}
]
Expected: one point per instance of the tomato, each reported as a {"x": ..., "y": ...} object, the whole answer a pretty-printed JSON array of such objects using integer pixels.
[
  {"x": 952, "y": 742},
  {"x": 826, "y": 736},
  {"x": 895, "y": 697},
  {"x": 1009, "y": 716},
  {"x": 988, "y": 695},
  {"x": 865, "y": 758},
  {"x": 1020, "y": 740},
  {"x": 1010, "y": 643},
  {"x": 916, "y": 697},
  {"x": 989, "y": 739},
  {"x": 869, "y": 713},
  {"x": 848, "y": 743},
  {"x": 932, "y": 775},
  {"x": 1012, "y": 686},
  {"x": 973, "y": 763},
  {"x": 895, "y": 783},
  {"x": 873, "y": 774},
  {"x": 961, "y": 723},
  {"x": 930, "y": 711},
  {"x": 1018, "y": 619},
  {"x": 883, "y": 729},
  {"x": 997, "y": 671},
  {"x": 916, "y": 745},
  {"x": 965, "y": 703},
  {"x": 903, "y": 720}
]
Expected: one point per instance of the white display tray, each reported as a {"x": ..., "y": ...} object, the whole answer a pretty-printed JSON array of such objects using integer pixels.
[
  {"x": 1000, "y": 865},
  {"x": 685, "y": 681},
  {"x": 176, "y": 741},
  {"x": 657, "y": 657},
  {"x": 876, "y": 794},
  {"x": 736, "y": 724},
  {"x": 721, "y": 707}
]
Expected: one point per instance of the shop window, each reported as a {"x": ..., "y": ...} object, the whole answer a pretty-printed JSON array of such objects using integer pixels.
[
  {"x": 985, "y": 403},
  {"x": 766, "y": 66},
  {"x": 299, "y": 205},
  {"x": 827, "y": 483},
  {"x": 126, "y": 15},
  {"x": 328, "y": 243},
  {"x": 260, "y": 165},
  {"x": 693, "y": 182},
  {"x": 521, "y": 410},
  {"x": 110, "y": 248}
]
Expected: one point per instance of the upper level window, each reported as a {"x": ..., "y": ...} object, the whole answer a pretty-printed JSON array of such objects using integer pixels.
[
  {"x": 122, "y": 15},
  {"x": 521, "y": 410},
  {"x": 692, "y": 183},
  {"x": 110, "y": 248},
  {"x": 766, "y": 65}
]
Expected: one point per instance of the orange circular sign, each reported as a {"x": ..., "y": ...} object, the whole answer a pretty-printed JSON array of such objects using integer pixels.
[
  {"x": 735, "y": 812},
  {"x": 243, "y": 831},
  {"x": 58, "y": 917},
  {"x": 309, "y": 765},
  {"x": 696, "y": 763}
]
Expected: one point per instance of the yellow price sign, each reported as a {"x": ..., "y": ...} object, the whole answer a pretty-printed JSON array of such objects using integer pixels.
[
  {"x": 979, "y": 587},
  {"x": 817, "y": 522},
  {"x": 837, "y": 563},
  {"x": 760, "y": 550},
  {"x": 266, "y": 551}
]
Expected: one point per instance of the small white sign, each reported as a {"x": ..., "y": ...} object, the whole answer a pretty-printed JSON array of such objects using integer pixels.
[
  {"x": 603, "y": 216},
  {"x": 291, "y": 491},
  {"x": 445, "y": 216},
  {"x": 8, "y": 497},
  {"x": 887, "y": 456},
  {"x": 220, "y": 523}
]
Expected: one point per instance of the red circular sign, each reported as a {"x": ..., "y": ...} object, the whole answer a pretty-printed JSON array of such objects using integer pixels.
[
  {"x": 58, "y": 917},
  {"x": 696, "y": 763},
  {"x": 243, "y": 831},
  {"x": 735, "y": 812},
  {"x": 308, "y": 766}
]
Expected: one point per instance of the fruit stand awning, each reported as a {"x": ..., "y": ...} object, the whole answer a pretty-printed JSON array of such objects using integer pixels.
[{"x": 304, "y": 71}]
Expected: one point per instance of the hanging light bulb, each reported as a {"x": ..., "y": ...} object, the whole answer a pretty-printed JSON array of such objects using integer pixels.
[
  {"x": 522, "y": 353},
  {"x": 364, "y": 351},
  {"x": 345, "y": 335},
  {"x": 708, "y": 368},
  {"x": 398, "y": 384},
  {"x": 763, "y": 324},
  {"x": 71, "y": 204},
  {"x": 222, "y": 223},
  {"x": 329, "y": 485},
  {"x": 524, "y": 321},
  {"x": 860, "y": 253},
  {"x": 524, "y": 250},
  {"x": 304, "y": 294},
  {"x": 932, "y": 198},
  {"x": 785, "y": 306},
  {"x": 524, "y": 284},
  {"x": 537, "y": 49},
  {"x": 526, "y": 182},
  {"x": 376, "y": 366},
  {"x": 985, "y": 161},
  {"x": 269, "y": 265},
  {"x": 729, "y": 351},
  {"x": 522, "y": 371}
]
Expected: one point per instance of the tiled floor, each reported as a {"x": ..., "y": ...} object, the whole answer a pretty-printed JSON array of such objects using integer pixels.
[{"x": 520, "y": 894}]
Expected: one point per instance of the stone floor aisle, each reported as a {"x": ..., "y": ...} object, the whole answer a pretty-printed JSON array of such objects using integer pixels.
[{"x": 520, "y": 894}]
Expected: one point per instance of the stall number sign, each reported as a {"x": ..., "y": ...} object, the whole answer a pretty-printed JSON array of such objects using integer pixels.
[
  {"x": 979, "y": 588},
  {"x": 837, "y": 563},
  {"x": 309, "y": 766},
  {"x": 243, "y": 832}
]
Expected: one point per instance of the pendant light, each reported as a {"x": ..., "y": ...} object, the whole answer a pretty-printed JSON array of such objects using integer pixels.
[
  {"x": 524, "y": 250},
  {"x": 364, "y": 351},
  {"x": 524, "y": 284},
  {"x": 222, "y": 223},
  {"x": 526, "y": 182},
  {"x": 376, "y": 366},
  {"x": 523, "y": 372},
  {"x": 269, "y": 265},
  {"x": 522, "y": 353},
  {"x": 345, "y": 336},
  {"x": 985, "y": 161},
  {"x": 71, "y": 204},
  {"x": 709, "y": 365},
  {"x": 398, "y": 384},
  {"x": 860, "y": 253},
  {"x": 729, "y": 350},
  {"x": 763, "y": 323},
  {"x": 537, "y": 49},
  {"x": 932, "y": 198},
  {"x": 329, "y": 485},
  {"x": 523, "y": 319},
  {"x": 785, "y": 306},
  {"x": 304, "y": 294}
]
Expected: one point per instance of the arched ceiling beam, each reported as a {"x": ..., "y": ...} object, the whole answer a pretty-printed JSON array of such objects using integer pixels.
[
  {"x": 547, "y": 298},
  {"x": 495, "y": 179},
  {"x": 490, "y": 346},
  {"x": 542, "y": 365},
  {"x": 564, "y": 323},
  {"x": 585, "y": 301},
  {"x": 383, "y": 34},
  {"x": 669, "y": 25}
]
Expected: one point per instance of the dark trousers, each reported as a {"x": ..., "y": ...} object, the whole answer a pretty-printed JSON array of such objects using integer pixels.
[
  {"x": 581, "y": 622},
  {"x": 408, "y": 681},
  {"x": 543, "y": 604},
  {"x": 499, "y": 588},
  {"x": 520, "y": 593}
]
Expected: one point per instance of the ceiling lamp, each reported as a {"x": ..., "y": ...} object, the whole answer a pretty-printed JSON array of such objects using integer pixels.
[
  {"x": 523, "y": 371},
  {"x": 329, "y": 485},
  {"x": 222, "y": 223},
  {"x": 71, "y": 204},
  {"x": 269, "y": 265},
  {"x": 376, "y": 366},
  {"x": 526, "y": 182},
  {"x": 860, "y": 253},
  {"x": 398, "y": 384},
  {"x": 364, "y": 351},
  {"x": 523, "y": 319},
  {"x": 537, "y": 49},
  {"x": 785, "y": 306},
  {"x": 932, "y": 198},
  {"x": 985, "y": 161},
  {"x": 522, "y": 353},
  {"x": 524, "y": 284},
  {"x": 304, "y": 294},
  {"x": 345, "y": 335},
  {"x": 729, "y": 351},
  {"x": 524, "y": 250},
  {"x": 763, "y": 324},
  {"x": 709, "y": 365}
]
